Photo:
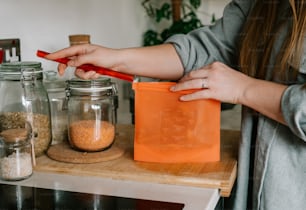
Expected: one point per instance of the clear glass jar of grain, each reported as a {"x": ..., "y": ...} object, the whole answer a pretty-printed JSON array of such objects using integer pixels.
[
  {"x": 24, "y": 100},
  {"x": 15, "y": 155},
  {"x": 91, "y": 113}
]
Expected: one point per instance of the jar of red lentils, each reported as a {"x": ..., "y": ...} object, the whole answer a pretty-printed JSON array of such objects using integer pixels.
[{"x": 91, "y": 113}]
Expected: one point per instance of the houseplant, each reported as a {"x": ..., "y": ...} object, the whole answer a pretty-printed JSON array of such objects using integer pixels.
[{"x": 170, "y": 17}]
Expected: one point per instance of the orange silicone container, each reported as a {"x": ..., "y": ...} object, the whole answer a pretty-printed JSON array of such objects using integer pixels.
[{"x": 168, "y": 130}]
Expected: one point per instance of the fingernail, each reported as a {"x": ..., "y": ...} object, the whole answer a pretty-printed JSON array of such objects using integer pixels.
[
  {"x": 70, "y": 63},
  {"x": 182, "y": 98},
  {"x": 61, "y": 73},
  {"x": 172, "y": 88}
]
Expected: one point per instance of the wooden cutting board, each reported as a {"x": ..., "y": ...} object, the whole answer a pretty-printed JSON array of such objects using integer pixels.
[{"x": 219, "y": 175}]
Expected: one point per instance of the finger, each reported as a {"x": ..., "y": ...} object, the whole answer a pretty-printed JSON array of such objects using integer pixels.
[
  {"x": 86, "y": 75},
  {"x": 201, "y": 94},
  {"x": 204, "y": 84},
  {"x": 96, "y": 76},
  {"x": 66, "y": 52},
  {"x": 92, "y": 75},
  {"x": 61, "y": 69},
  {"x": 89, "y": 74},
  {"x": 80, "y": 73},
  {"x": 200, "y": 73},
  {"x": 190, "y": 84},
  {"x": 80, "y": 60}
]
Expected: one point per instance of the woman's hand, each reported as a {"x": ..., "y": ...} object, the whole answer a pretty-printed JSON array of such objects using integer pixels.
[
  {"x": 85, "y": 54},
  {"x": 215, "y": 81},
  {"x": 220, "y": 82},
  {"x": 159, "y": 61}
]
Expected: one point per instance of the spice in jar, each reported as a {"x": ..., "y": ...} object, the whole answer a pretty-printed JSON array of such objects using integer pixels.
[
  {"x": 16, "y": 156},
  {"x": 91, "y": 135}
]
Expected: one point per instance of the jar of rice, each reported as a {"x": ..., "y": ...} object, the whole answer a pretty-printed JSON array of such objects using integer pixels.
[
  {"x": 15, "y": 155},
  {"x": 91, "y": 113}
]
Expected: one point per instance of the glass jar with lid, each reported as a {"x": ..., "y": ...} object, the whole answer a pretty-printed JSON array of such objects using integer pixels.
[
  {"x": 15, "y": 155},
  {"x": 56, "y": 89},
  {"x": 91, "y": 113},
  {"x": 25, "y": 100}
]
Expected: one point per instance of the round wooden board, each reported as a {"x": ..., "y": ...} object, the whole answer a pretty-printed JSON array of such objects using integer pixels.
[{"x": 64, "y": 153}]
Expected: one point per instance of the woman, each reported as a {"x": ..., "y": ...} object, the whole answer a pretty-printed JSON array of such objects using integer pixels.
[{"x": 265, "y": 41}]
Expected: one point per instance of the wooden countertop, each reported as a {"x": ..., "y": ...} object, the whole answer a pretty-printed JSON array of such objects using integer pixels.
[{"x": 220, "y": 175}]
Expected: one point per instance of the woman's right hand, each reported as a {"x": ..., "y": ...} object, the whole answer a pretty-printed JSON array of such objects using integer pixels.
[{"x": 85, "y": 54}]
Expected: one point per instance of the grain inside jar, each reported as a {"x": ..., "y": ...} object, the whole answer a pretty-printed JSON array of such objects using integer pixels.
[
  {"x": 15, "y": 155},
  {"x": 91, "y": 135},
  {"x": 41, "y": 126}
]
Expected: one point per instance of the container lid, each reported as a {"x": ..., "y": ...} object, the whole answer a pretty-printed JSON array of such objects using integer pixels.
[
  {"x": 14, "y": 135},
  {"x": 52, "y": 83},
  {"x": 14, "y": 70},
  {"x": 96, "y": 83},
  {"x": 76, "y": 39},
  {"x": 102, "y": 85}
]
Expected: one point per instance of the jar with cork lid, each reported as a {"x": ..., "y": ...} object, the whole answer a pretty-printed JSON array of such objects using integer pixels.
[{"x": 15, "y": 155}]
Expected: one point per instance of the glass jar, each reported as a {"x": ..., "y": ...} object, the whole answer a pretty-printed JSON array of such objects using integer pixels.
[
  {"x": 56, "y": 89},
  {"x": 25, "y": 100},
  {"x": 16, "y": 155},
  {"x": 91, "y": 113}
]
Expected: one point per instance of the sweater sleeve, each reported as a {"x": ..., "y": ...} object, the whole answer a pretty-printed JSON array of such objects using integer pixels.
[
  {"x": 294, "y": 109},
  {"x": 218, "y": 42},
  {"x": 293, "y": 102}
]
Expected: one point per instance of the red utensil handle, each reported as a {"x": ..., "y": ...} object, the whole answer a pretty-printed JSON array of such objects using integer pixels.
[{"x": 89, "y": 67}]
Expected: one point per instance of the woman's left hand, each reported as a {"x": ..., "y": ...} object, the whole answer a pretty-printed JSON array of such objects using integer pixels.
[{"x": 215, "y": 81}]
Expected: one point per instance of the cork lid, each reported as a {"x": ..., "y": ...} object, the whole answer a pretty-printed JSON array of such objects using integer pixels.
[
  {"x": 14, "y": 135},
  {"x": 76, "y": 39}
]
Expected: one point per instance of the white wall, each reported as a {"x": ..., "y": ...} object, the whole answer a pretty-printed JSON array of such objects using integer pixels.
[
  {"x": 46, "y": 24},
  {"x": 209, "y": 7}
]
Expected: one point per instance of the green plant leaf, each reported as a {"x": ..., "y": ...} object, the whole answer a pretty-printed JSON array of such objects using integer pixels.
[
  {"x": 148, "y": 7},
  {"x": 163, "y": 12},
  {"x": 195, "y": 3},
  {"x": 151, "y": 37}
]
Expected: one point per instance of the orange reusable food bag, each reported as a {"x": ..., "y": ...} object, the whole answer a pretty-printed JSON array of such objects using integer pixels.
[{"x": 168, "y": 130}]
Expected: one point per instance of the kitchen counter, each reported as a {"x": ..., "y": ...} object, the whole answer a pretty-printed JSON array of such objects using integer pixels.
[{"x": 197, "y": 186}]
